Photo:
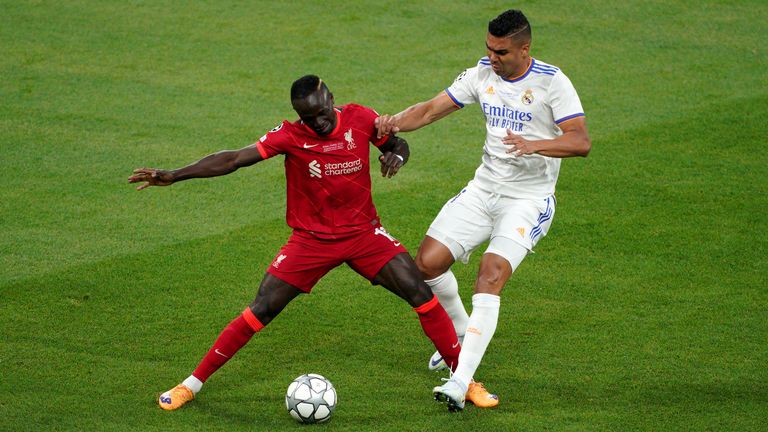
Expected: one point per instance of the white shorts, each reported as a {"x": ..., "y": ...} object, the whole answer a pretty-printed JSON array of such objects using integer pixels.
[{"x": 475, "y": 216}]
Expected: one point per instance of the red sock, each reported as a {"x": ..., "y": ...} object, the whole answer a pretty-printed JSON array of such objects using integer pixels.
[
  {"x": 232, "y": 338},
  {"x": 438, "y": 327}
]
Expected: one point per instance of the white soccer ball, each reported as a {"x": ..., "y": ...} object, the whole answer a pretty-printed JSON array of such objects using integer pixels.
[{"x": 311, "y": 398}]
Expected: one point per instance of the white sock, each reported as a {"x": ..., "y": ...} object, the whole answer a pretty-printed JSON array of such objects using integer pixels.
[
  {"x": 480, "y": 329},
  {"x": 446, "y": 288},
  {"x": 193, "y": 383}
]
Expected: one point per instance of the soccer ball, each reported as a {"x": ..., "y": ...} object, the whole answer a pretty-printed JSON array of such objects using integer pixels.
[{"x": 311, "y": 398}]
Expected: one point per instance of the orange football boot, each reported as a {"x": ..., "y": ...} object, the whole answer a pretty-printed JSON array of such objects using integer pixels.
[
  {"x": 479, "y": 396},
  {"x": 176, "y": 397}
]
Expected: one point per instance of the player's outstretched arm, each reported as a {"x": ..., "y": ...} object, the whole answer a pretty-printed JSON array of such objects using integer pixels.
[
  {"x": 395, "y": 154},
  {"x": 416, "y": 116},
  {"x": 217, "y": 164}
]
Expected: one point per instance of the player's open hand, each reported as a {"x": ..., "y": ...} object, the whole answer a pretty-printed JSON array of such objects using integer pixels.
[
  {"x": 385, "y": 125},
  {"x": 150, "y": 177},
  {"x": 390, "y": 164},
  {"x": 518, "y": 145}
]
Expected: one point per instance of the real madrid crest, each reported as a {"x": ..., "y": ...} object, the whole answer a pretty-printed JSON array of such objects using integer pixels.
[{"x": 527, "y": 97}]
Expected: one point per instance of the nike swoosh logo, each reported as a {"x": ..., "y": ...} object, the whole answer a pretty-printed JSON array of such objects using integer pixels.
[
  {"x": 310, "y": 146},
  {"x": 435, "y": 362},
  {"x": 456, "y": 345},
  {"x": 397, "y": 244},
  {"x": 220, "y": 353}
]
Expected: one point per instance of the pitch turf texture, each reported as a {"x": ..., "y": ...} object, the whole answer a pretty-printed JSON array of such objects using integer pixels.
[{"x": 643, "y": 309}]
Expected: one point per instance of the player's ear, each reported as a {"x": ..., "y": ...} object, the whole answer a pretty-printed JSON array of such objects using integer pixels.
[{"x": 525, "y": 48}]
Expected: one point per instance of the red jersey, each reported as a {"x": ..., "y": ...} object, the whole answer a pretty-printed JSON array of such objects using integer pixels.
[{"x": 328, "y": 177}]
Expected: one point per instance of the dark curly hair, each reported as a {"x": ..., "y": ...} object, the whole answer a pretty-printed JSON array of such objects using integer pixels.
[{"x": 511, "y": 23}]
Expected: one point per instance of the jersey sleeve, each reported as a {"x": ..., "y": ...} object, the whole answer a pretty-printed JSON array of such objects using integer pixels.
[
  {"x": 563, "y": 99},
  {"x": 274, "y": 142},
  {"x": 367, "y": 120},
  {"x": 464, "y": 88}
]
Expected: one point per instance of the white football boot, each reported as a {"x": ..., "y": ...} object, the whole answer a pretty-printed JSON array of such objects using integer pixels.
[
  {"x": 436, "y": 362},
  {"x": 452, "y": 393}
]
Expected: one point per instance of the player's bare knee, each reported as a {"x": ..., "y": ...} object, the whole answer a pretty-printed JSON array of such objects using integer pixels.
[
  {"x": 414, "y": 290},
  {"x": 433, "y": 258},
  {"x": 261, "y": 310},
  {"x": 274, "y": 294},
  {"x": 422, "y": 294},
  {"x": 429, "y": 269},
  {"x": 425, "y": 272},
  {"x": 491, "y": 279},
  {"x": 489, "y": 285}
]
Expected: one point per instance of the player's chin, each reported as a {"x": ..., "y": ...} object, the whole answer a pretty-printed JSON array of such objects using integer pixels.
[{"x": 324, "y": 130}]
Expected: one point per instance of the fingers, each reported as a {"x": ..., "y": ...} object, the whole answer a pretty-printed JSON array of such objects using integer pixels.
[
  {"x": 140, "y": 178},
  {"x": 390, "y": 164},
  {"x": 516, "y": 149},
  {"x": 149, "y": 177},
  {"x": 139, "y": 171},
  {"x": 380, "y": 123},
  {"x": 517, "y": 144},
  {"x": 144, "y": 171},
  {"x": 391, "y": 171},
  {"x": 385, "y": 165},
  {"x": 385, "y": 125},
  {"x": 510, "y": 138},
  {"x": 141, "y": 174}
]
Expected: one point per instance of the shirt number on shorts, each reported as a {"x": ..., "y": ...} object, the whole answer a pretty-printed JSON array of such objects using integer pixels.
[{"x": 383, "y": 232}]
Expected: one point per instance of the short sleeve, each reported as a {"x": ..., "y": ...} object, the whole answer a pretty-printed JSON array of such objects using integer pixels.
[
  {"x": 563, "y": 99},
  {"x": 274, "y": 142},
  {"x": 464, "y": 89},
  {"x": 365, "y": 120}
]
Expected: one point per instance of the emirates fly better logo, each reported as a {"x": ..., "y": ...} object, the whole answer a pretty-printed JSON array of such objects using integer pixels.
[{"x": 314, "y": 169}]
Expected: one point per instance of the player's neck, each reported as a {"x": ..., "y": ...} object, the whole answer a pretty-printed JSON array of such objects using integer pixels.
[{"x": 521, "y": 71}]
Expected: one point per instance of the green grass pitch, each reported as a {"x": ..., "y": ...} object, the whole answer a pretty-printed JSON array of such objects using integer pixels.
[{"x": 644, "y": 309}]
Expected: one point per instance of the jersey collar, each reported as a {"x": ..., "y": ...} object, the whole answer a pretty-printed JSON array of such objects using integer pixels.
[
  {"x": 338, "y": 121},
  {"x": 524, "y": 74}
]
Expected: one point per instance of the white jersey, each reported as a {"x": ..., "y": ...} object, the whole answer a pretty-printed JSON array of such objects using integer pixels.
[{"x": 531, "y": 105}]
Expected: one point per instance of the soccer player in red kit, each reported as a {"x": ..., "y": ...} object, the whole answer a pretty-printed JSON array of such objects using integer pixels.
[{"x": 332, "y": 215}]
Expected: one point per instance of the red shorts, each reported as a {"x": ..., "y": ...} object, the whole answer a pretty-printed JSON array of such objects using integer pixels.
[{"x": 306, "y": 258}]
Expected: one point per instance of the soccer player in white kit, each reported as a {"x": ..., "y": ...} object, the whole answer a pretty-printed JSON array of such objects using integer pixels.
[{"x": 533, "y": 118}]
